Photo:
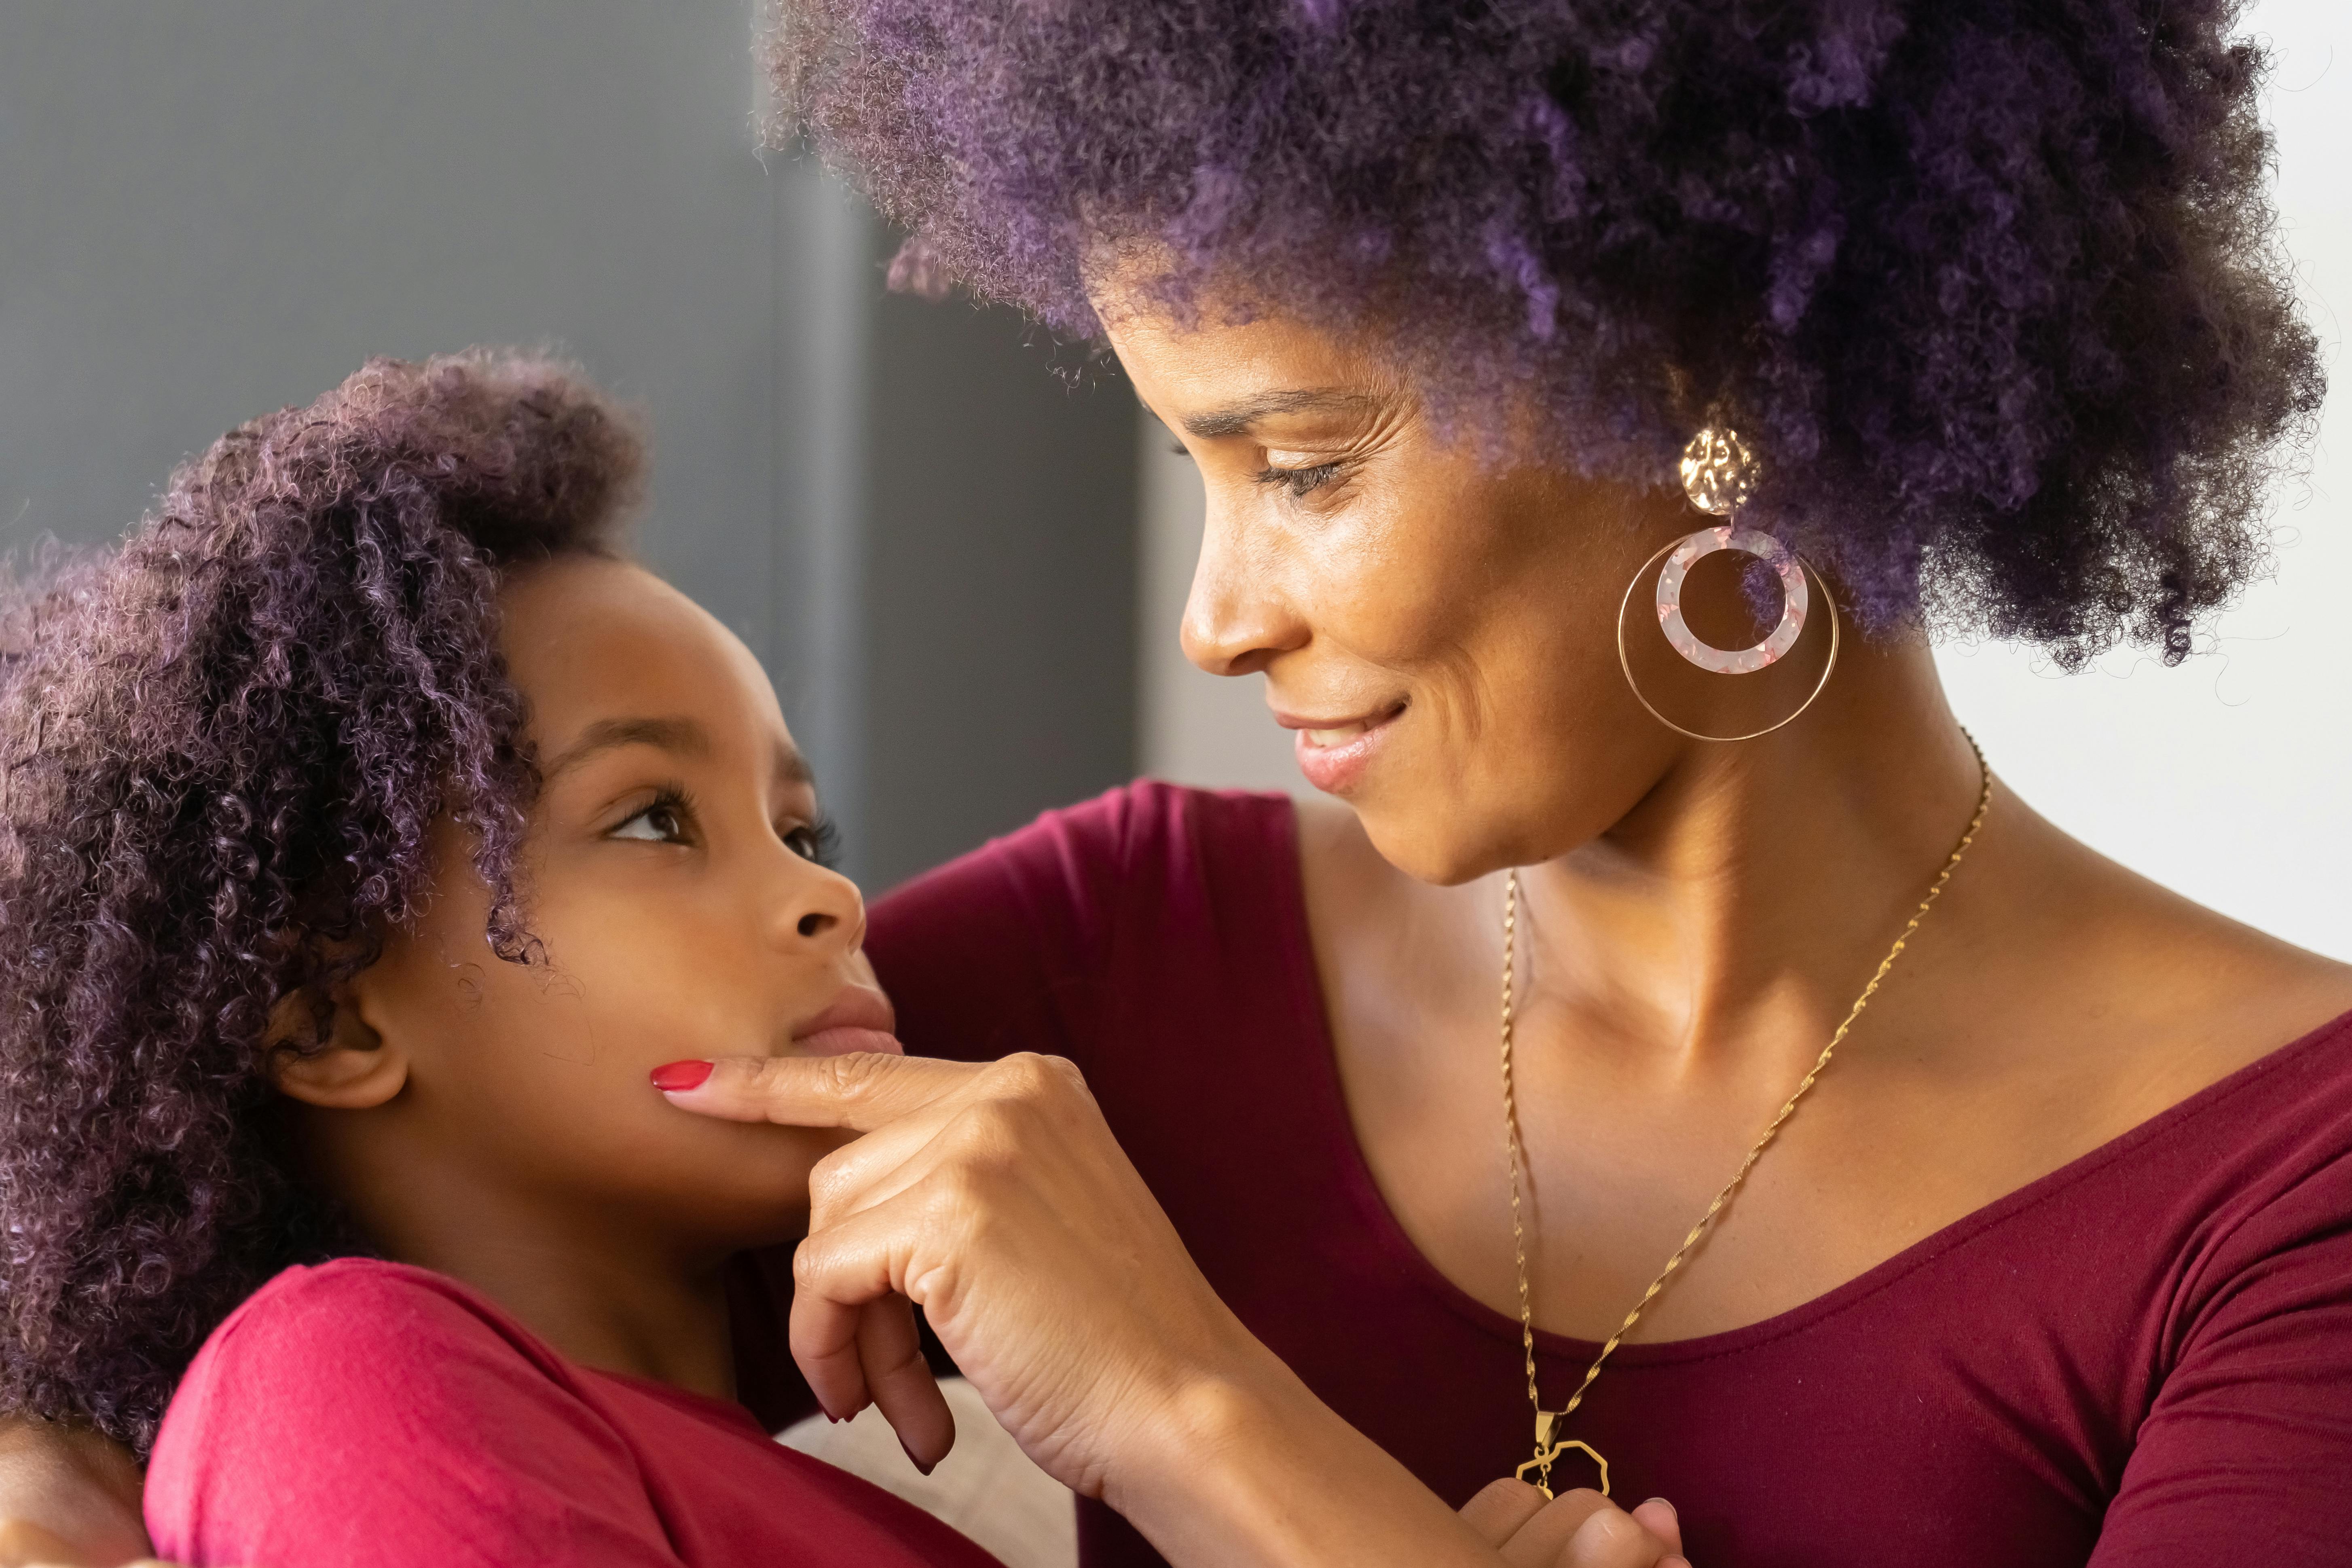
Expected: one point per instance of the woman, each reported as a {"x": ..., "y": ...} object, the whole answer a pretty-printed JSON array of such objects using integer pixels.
[
  {"x": 374, "y": 832},
  {"x": 1982, "y": 307},
  {"x": 2048, "y": 1264}
]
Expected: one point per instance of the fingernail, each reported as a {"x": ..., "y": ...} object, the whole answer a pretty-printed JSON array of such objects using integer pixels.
[
  {"x": 1663, "y": 1504},
  {"x": 675, "y": 1078},
  {"x": 912, "y": 1459}
]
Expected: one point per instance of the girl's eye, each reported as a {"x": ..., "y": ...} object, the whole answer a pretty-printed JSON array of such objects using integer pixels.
[
  {"x": 660, "y": 823},
  {"x": 812, "y": 841},
  {"x": 1299, "y": 481}
]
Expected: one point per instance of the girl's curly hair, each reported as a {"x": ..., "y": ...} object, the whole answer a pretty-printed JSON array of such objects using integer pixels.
[
  {"x": 1994, "y": 285},
  {"x": 222, "y": 747}
]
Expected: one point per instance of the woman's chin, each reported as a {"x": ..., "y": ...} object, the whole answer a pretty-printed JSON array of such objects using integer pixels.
[{"x": 1420, "y": 844}]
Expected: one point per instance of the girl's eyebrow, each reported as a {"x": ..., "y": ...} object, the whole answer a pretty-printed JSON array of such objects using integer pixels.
[{"x": 684, "y": 736}]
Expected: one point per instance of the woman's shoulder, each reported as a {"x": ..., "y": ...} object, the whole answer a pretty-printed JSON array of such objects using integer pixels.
[
  {"x": 1074, "y": 873},
  {"x": 1145, "y": 888},
  {"x": 1151, "y": 826},
  {"x": 2144, "y": 996}
]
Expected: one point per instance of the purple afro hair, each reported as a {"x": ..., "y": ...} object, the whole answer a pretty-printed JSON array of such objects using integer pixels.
[
  {"x": 222, "y": 748},
  {"x": 1992, "y": 285}
]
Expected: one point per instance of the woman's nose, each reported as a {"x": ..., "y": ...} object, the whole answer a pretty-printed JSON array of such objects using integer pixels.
[{"x": 1235, "y": 622}]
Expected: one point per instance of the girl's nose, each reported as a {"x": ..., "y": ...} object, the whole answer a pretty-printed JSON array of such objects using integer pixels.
[{"x": 821, "y": 910}]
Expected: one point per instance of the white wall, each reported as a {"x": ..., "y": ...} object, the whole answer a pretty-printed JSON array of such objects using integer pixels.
[{"x": 2229, "y": 778}]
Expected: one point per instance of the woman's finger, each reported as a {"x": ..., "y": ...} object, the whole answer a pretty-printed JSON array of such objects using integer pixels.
[
  {"x": 860, "y": 1092},
  {"x": 890, "y": 1357},
  {"x": 836, "y": 1273},
  {"x": 1611, "y": 1538},
  {"x": 1030, "y": 1108},
  {"x": 1501, "y": 1509},
  {"x": 880, "y": 1165},
  {"x": 1658, "y": 1517},
  {"x": 1543, "y": 1541}
]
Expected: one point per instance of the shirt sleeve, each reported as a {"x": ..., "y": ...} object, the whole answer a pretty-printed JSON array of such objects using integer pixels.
[
  {"x": 1002, "y": 951},
  {"x": 357, "y": 1415},
  {"x": 2246, "y": 1449}
]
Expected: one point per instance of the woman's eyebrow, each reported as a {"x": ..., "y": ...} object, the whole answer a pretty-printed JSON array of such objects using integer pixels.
[
  {"x": 685, "y": 736},
  {"x": 1234, "y": 418}
]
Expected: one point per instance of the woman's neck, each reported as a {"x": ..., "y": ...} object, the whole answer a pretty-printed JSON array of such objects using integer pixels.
[
  {"x": 1750, "y": 894},
  {"x": 603, "y": 1288}
]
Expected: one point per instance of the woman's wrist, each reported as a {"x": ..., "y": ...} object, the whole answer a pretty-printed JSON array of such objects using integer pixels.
[{"x": 1239, "y": 1464}]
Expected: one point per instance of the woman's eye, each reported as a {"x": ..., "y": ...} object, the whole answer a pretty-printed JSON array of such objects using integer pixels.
[
  {"x": 657, "y": 824},
  {"x": 1299, "y": 481}
]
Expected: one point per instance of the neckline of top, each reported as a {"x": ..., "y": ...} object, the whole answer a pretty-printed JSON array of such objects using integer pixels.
[{"x": 1346, "y": 1153}]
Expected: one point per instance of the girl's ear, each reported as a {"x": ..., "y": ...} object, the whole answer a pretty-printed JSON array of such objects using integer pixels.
[{"x": 357, "y": 1068}]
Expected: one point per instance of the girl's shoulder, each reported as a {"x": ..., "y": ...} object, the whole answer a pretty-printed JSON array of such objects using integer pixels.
[
  {"x": 351, "y": 1385},
  {"x": 365, "y": 1322}
]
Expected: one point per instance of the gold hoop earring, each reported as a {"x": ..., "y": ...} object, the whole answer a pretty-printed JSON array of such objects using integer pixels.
[{"x": 1718, "y": 474}]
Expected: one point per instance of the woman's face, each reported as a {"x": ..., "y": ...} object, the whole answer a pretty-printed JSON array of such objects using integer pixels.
[
  {"x": 671, "y": 874},
  {"x": 1437, "y": 624}
]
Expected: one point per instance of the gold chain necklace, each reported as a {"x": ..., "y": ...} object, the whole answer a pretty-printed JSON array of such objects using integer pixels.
[{"x": 1550, "y": 1424}]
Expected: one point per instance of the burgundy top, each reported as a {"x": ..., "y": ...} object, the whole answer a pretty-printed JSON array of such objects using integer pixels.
[
  {"x": 368, "y": 1415},
  {"x": 2143, "y": 1359}
]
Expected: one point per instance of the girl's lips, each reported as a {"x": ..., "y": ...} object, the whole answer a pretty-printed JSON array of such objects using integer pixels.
[
  {"x": 846, "y": 1040},
  {"x": 860, "y": 1019},
  {"x": 1334, "y": 757}
]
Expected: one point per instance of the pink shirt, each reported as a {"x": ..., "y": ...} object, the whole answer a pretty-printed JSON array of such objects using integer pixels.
[
  {"x": 2143, "y": 1359},
  {"x": 365, "y": 1412}
]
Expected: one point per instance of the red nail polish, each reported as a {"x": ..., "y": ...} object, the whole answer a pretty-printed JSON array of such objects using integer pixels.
[{"x": 675, "y": 1077}]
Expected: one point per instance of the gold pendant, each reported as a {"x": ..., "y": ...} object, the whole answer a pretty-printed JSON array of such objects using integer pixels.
[{"x": 1549, "y": 1446}]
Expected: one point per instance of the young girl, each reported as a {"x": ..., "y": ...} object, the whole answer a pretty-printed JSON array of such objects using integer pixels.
[{"x": 372, "y": 831}]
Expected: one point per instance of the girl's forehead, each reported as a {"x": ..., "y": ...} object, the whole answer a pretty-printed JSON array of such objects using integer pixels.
[{"x": 590, "y": 641}]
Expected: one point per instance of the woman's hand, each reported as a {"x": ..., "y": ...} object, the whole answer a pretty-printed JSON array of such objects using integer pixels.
[
  {"x": 1578, "y": 1528},
  {"x": 994, "y": 1196}
]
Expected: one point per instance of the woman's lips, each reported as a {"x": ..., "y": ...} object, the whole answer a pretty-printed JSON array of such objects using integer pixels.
[
  {"x": 1333, "y": 754},
  {"x": 860, "y": 1019}
]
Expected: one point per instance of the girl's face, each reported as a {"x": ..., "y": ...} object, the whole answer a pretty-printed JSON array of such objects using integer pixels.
[
  {"x": 671, "y": 873},
  {"x": 1438, "y": 626}
]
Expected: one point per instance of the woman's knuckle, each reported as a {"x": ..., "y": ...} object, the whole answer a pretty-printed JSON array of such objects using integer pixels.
[
  {"x": 1022, "y": 1074},
  {"x": 828, "y": 1184},
  {"x": 852, "y": 1078},
  {"x": 990, "y": 1123}
]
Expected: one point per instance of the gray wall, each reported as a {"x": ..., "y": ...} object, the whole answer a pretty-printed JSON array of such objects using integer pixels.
[
  {"x": 213, "y": 208},
  {"x": 1002, "y": 602}
]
